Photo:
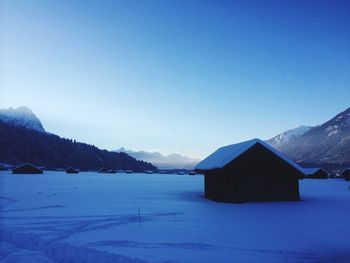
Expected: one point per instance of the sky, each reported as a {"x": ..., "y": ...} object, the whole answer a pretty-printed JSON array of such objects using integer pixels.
[{"x": 175, "y": 76}]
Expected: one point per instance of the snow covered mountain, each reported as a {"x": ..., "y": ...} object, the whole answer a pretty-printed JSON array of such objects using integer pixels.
[
  {"x": 327, "y": 144},
  {"x": 172, "y": 161},
  {"x": 22, "y": 117},
  {"x": 291, "y": 134}
]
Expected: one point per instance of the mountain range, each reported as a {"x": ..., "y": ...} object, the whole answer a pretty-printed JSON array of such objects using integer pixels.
[
  {"x": 326, "y": 145},
  {"x": 24, "y": 140},
  {"x": 171, "y": 161}
]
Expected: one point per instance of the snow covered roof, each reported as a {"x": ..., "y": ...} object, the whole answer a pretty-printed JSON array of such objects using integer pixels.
[
  {"x": 224, "y": 155},
  {"x": 311, "y": 171}
]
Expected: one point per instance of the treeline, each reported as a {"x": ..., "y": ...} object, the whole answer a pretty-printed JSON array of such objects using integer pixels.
[{"x": 20, "y": 145}]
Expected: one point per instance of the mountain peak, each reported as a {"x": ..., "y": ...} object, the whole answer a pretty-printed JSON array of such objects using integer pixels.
[
  {"x": 22, "y": 117},
  {"x": 290, "y": 134},
  {"x": 122, "y": 149}
]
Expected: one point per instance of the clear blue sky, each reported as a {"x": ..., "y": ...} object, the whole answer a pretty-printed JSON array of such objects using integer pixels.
[{"x": 175, "y": 76}]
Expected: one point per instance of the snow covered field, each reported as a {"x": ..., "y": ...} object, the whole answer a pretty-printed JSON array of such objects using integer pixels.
[{"x": 93, "y": 217}]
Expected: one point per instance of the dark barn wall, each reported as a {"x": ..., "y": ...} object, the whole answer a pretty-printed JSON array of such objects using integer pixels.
[
  {"x": 220, "y": 186},
  {"x": 346, "y": 175},
  {"x": 320, "y": 174},
  {"x": 256, "y": 175}
]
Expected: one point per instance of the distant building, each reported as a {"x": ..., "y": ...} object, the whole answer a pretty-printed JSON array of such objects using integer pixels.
[
  {"x": 250, "y": 171},
  {"x": 103, "y": 170},
  {"x": 71, "y": 170},
  {"x": 111, "y": 171},
  {"x": 346, "y": 174},
  {"x": 129, "y": 171},
  {"x": 315, "y": 173},
  {"x": 27, "y": 169}
]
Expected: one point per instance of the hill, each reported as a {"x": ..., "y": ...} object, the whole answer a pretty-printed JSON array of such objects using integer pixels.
[{"x": 19, "y": 144}]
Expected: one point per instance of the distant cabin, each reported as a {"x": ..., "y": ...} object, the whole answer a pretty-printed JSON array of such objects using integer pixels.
[
  {"x": 103, "y": 170},
  {"x": 3, "y": 168},
  {"x": 71, "y": 170},
  {"x": 129, "y": 171},
  {"x": 149, "y": 172},
  {"x": 250, "y": 171},
  {"x": 346, "y": 174},
  {"x": 315, "y": 173},
  {"x": 192, "y": 172},
  {"x": 111, "y": 171},
  {"x": 27, "y": 169}
]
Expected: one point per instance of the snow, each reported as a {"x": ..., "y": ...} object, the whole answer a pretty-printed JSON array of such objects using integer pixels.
[
  {"x": 332, "y": 130},
  {"x": 310, "y": 171},
  {"x": 21, "y": 116},
  {"x": 90, "y": 217},
  {"x": 290, "y": 134},
  {"x": 224, "y": 155}
]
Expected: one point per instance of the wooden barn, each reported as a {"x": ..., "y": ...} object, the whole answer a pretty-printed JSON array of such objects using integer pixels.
[
  {"x": 71, "y": 170},
  {"x": 27, "y": 169},
  {"x": 346, "y": 174},
  {"x": 315, "y": 173},
  {"x": 250, "y": 171}
]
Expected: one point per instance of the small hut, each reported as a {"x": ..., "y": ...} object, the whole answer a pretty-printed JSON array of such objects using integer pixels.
[
  {"x": 102, "y": 170},
  {"x": 111, "y": 171},
  {"x": 3, "y": 168},
  {"x": 250, "y": 171},
  {"x": 27, "y": 169},
  {"x": 346, "y": 174},
  {"x": 315, "y": 173},
  {"x": 71, "y": 170}
]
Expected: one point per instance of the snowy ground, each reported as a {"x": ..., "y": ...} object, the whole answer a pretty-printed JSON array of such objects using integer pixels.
[{"x": 93, "y": 217}]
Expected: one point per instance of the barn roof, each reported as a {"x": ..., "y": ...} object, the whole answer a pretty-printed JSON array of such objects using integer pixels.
[
  {"x": 226, "y": 154},
  {"x": 27, "y": 168},
  {"x": 310, "y": 171}
]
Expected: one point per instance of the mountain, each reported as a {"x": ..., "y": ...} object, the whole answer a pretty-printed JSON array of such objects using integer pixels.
[
  {"x": 287, "y": 136},
  {"x": 326, "y": 145},
  {"x": 21, "y": 117},
  {"x": 24, "y": 141},
  {"x": 172, "y": 161}
]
